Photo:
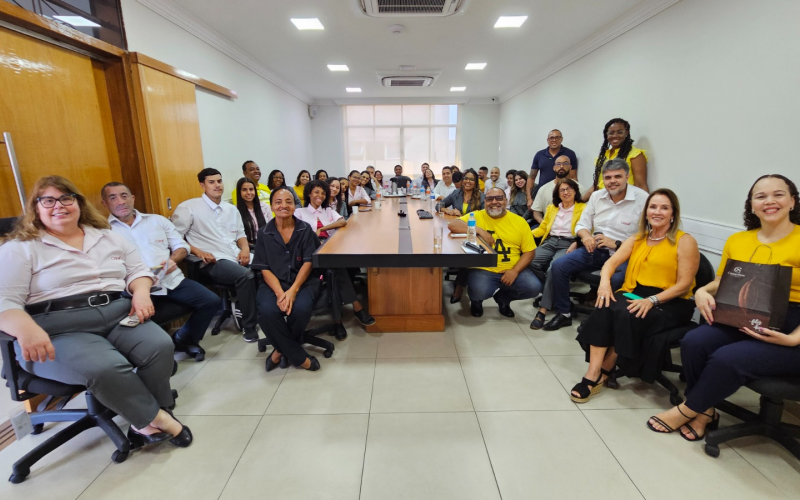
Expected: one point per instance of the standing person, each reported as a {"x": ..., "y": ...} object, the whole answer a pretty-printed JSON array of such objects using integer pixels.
[
  {"x": 662, "y": 263},
  {"x": 518, "y": 202},
  {"x": 61, "y": 298},
  {"x": 366, "y": 184},
  {"x": 719, "y": 359},
  {"x": 254, "y": 214},
  {"x": 446, "y": 186},
  {"x": 321, "y": 175},
  {"x": 543, "y": 161},
  {"x": 617, "y": 143},
  {"x": 252, "y": 171},
  {"x": 429, "y": 182},
  {"x": 300, "y": 184},
  {"x": 495, "y": 181},
  {"x": 283, "y": 256},
  {"x": 336, "y": 200},
  {"x": 215, "y": 233},
  {"x": 160, "y": 245},
  {"x": 483, "y": 174},
  {"x": 544, "y": 196},
  {"x": 276, "y": 179}
]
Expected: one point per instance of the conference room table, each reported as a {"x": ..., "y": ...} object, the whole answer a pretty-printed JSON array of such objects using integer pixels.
[{"x": 404, "y": 273}]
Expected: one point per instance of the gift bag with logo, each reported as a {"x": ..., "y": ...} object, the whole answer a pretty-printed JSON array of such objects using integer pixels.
[{"x": 753, "y": 295}]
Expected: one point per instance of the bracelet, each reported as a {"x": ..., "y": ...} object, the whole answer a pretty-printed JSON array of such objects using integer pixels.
[{"x": 654, "y": 300}]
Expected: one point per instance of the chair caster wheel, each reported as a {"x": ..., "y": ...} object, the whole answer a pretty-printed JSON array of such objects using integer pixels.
[
  {"x": 262, "y": 347},
  {"x": 37, "y": 429},
  {"x": 712, "y": 450},
  {"x": 675, "y": 400},
  {"x": 17, "y": 478},
  {"x": 119, "y": 456},
  {"x": 215, "y": 331},
  {"x": 328, "y": 353},
  {"x": 200, "y": 357}
]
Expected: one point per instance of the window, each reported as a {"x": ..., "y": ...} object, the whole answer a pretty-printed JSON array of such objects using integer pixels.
[{"x": 408, "y": 135}]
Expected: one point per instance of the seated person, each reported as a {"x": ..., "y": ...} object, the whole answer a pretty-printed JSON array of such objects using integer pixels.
[
  {"x": 159, "y": 245},
  {"x": 254, "y": 213},
  {"x": 609, "y": 218},
  {"x": 457, "y": 178},
  {"x": 285, "y": 304},
  {"x": 718, "y": 359},
  {"x": 276, "y": 179},
  {"x": 321, "y": 175},
  {"x": 377, "y": 178},
  {"x": 400, "y": 180},
  {"x": 366, "y": 185},
  {"x": 511, "y": 238},
  {"x": 494, "y": 181},
  {"x": 557, "y": 233},
  {"x": 445, "y": 186},
  {"x": 510, "y": 176},
  {"x": 62, "y": 299},
  {"x": 253, "y": 172},
  {"x": 215, "y": 233},
  {"x": 544, "y": 195},
  {"x": 423, "y": 168},
  {"x": 517, "y": 199},
  {"x": 483, "y": 174},
  {"x": 429, "y": 181},
  {"x": 325, "y": 221},
  {"x": 662, "y": 263},
  {"x": 300, "y": 184},
  {"x": 336, "y": 199},
  {"x": 355, "y": 194}
]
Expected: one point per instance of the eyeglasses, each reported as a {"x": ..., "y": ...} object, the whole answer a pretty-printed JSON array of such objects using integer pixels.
[
  {"x": 555, "y": 137},
  {"x": 49, "y": 202},
  {"x": 490, "y": 199},
  {"x": 468, "y": 179},
  {"x": 565, "y": 190}
]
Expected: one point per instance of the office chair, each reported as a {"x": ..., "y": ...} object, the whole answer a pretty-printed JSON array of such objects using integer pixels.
[{"x": 227, "y": 293}]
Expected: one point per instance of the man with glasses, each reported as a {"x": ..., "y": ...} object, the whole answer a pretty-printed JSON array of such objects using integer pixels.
[
  {"x": 562, "y": 169},
  {"x": 512, "y": 240},
  {"x": 544, "y": 161}
]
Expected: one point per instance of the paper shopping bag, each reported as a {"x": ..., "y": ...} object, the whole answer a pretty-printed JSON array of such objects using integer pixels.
[{"x": 753, "y": 295}]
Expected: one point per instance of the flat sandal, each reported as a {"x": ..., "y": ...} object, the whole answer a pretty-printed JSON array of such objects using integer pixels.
[
  {"x": 664, "y": 424},
  {"x": 711, "y": 426}
]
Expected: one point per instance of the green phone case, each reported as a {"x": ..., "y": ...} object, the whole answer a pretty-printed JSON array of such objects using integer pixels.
[{"x": 631, "y": 296}]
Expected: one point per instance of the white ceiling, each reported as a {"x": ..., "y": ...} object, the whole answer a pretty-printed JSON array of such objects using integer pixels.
[{"x": 262, "y": 29}]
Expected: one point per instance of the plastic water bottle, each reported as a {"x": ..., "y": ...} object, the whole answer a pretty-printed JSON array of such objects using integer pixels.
[
  {"x": 378, "y": 198},
  {"x": 426, "y": 199},
  {"x": 472, "y": 235},
  {"x": 431, "y": 201}
]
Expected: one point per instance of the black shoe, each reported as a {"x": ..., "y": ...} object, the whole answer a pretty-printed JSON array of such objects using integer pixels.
[
  {"x": 557, "y": 322},
  {"x": 314, "y": 364},
  {"x": 364, "y": 318},
  {"x": 271, "y": 365},
  {"x": 184, "y": 438},
  {"x": 341, "y": 333},
  {"x": 538, "y": 321},
  {"x": 191, "y": 348},
  {"x": 284, "y": 364},
  {"x": 138, "y": 440},
  {"x": 454, "y": 299},
  {"x": 250, "y": 336},
  {"x": 503, "y": 305},
  {"x": 476, "y": 308}
]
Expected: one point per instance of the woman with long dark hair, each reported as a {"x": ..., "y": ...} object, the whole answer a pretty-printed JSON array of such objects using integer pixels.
[
  {"x": 465, "y": 200},
  {"x": 255, "y": 213},
  {"x": 618, "y": 143},
  {"x": 321, "y": 175},
  {"x": 276, "y": 179},
  {"x": 517, "y": 199},
  {"x": 300, "y": 184},
  {"x": 429, "y": 181},
  {"x": 336, "y": 200}
]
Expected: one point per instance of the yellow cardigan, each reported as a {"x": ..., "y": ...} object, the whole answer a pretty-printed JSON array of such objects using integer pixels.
[{"x": 550, "y": 216}]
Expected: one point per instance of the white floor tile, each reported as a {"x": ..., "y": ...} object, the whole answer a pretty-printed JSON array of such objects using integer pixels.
[
  {"x": 556, "y": 343},
  {"x": 492, "y": 339},
  {"x": 417, "y": 345},
  {"x": 419, "y": 385}
]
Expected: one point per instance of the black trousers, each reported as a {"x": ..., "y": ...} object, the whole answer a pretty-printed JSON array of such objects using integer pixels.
[
  {"x": 228, "y": 272},
  {"x": 286, "y": 332},
  {"x": 719, "y": 359}
]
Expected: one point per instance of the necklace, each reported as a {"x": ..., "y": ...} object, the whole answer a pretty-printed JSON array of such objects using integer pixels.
[{"x": 650, "y": 235}]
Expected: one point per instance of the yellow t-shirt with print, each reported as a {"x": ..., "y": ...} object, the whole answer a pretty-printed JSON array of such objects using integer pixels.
[
  {"x": 610, "y": 155},
  {"x": 512, "y": 237}
]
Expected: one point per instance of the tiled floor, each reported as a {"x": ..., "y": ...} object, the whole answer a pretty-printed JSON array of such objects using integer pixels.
[{"x": 479, "y": 411}]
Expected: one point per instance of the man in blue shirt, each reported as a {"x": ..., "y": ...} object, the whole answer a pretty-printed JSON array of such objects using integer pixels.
[{"x": 544, "y": 160}]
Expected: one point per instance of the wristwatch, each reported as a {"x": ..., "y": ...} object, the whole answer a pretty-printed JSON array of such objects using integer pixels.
[{"x": 619, "y": 244}]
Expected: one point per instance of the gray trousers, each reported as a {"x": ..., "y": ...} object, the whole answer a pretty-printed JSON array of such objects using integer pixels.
[
  {"x": 94, "y": 350},
  {"x": 227, "y": 272},
  {"x": 550, "y": 250}
]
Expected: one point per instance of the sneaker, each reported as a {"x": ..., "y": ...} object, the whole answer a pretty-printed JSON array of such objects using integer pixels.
[
  {"x": 250, "y": 336},
  {"x": 364, "y": 318}
]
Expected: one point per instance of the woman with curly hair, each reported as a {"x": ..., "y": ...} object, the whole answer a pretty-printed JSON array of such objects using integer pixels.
[{"x": 618, "y": 143}]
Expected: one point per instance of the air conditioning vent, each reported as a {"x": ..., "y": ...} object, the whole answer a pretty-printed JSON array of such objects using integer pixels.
[
  {"x": 407, "y": 81},
  {"x": 411, "y": 8}
]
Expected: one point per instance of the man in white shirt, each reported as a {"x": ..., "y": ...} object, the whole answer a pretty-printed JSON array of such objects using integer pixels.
[
  {"x": 423, "y": 168},
  {"x": 160, "y": 245},
  {"x": 444, "y": 188},
  {"x": 544, "y": 196},
  {"x": 215, "y": 233},
  {"x": 610, "y": 217},
  {"x": 494, "y": 181}
]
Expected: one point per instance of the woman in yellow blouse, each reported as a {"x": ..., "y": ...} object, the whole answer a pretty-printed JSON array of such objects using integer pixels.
[
  {"x": 617, "y": 143},
  {"x": 662, "y": 263},
  {"x": 718, "y": 359},
  {"x": 300, "y": 185}
]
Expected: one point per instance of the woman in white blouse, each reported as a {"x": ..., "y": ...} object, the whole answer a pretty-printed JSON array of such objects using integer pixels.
[
  {"x": 355, "y": 194},
  {"x": 61, "y": 298}
]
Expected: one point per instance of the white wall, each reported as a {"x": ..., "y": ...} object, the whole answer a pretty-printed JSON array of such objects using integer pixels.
[
  {"x": 265, "y": 124},
  {"x": 480, "y": 129},
  {"x": 710, "y": 90},
  {"x": 327, "y": 134}
]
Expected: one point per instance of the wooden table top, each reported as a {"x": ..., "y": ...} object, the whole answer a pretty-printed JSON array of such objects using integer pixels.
[{"x": 373, "y": 239}]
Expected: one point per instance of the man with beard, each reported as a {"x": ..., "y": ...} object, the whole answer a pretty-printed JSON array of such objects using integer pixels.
[
  {"x": 544, "y": 196},
  {"x": 511, "y": 238},
  {"x": 543, "y": 162},
  {"x": 610, "y": 217}
]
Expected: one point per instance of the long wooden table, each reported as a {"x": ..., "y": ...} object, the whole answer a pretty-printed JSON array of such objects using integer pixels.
[{"x": 404, "y": 277}]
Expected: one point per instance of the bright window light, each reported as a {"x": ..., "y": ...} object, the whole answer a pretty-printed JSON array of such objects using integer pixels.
[
  {"x": 308, "y": 24},
  {"x": 458, "y": 89},
  {"x": 354, "y": 89},
  {"x": 510, "y": 21},
  {"x": 475, "y": 66},
  {"x": 77, "y": 21},
  {"x": 338, "y": 67}
]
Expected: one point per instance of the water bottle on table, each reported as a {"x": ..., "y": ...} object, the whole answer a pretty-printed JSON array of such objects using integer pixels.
[{"x": 472, "y": 235}]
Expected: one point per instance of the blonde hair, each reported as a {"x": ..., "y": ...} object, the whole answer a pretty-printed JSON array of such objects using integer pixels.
[
  {"x": 672, "y": 233},
  {"x": 29, "y": 226}
]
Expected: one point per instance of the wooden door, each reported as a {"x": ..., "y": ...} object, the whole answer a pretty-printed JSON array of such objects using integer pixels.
[
  {"x": 171, "y": 134},
  {"x": 54, "y": 102}
]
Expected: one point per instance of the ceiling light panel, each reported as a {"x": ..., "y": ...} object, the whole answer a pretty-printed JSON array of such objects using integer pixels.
[
  {"x": 510, "y": 21},
  {"x": 308, "y": 24},
  {"x": 77, "y": 21},
  {"x": 475, "y": 66},
  {"x": 458, "y": 89},
  {"x": 353, "y": 89},
  {"x": 338, "y": 67}
]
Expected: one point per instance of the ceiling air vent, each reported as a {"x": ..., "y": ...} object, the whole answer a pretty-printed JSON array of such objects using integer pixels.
[
  {"x": 411, "y": 8},
  {"x": 407, "y": 81}
]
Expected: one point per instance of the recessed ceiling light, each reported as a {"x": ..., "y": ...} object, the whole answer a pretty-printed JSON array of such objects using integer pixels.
[
  {"x": 338, "y": 67},
  {"x": 475, "y": 66},
  {"x": 77, "y": 21},
  {"x": 353, "y": 89},
  {"x": 308, "y": 24},
  {"x": 458, "y": 89},
  {"x": 510, "y": 21}
]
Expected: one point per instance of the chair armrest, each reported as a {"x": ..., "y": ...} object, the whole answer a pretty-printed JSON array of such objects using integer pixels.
[
  {"x": 192, "y": 265},
  {"x": 4, "y": 337},
  {"x": 10, "y": 367}
]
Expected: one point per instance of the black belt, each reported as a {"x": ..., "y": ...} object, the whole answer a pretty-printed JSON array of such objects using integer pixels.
[
  {"x": 94, "y": 299},
  {"x": 570, "y": 238}
]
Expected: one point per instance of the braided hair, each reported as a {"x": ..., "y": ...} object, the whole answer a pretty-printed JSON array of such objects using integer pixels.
[
  {"x": 624, "y": 148},
  {"x": 751, "y": 220}
]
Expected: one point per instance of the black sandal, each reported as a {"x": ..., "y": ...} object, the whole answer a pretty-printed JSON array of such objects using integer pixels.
[
  {"x": 663, "y": 424},
  {"x": 586, "y": 389},
  {"x": 712, "y": 425}
]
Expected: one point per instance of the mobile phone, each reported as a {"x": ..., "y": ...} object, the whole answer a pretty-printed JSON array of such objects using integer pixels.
[
  {"x": 631, "y": 296},
  {"x": 130, "y": 321}
]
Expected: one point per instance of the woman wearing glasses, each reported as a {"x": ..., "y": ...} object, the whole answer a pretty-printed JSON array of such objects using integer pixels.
[
  {"x": 276, "y": 179},
  {"x": 62, "y": 298}
]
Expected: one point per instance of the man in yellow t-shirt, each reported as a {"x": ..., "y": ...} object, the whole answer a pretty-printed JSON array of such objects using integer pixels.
[
  {"x": 483, "y": 172},
  {"x": 511, "y": 238},
  {"x": 251, "y": 170}
]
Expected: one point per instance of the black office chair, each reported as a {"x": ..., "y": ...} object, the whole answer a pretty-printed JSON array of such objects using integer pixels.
[
  {"x": 767, "y": 422},
  {"x": 329, "y": 299},
  {"x": 227, "y": 293}
]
